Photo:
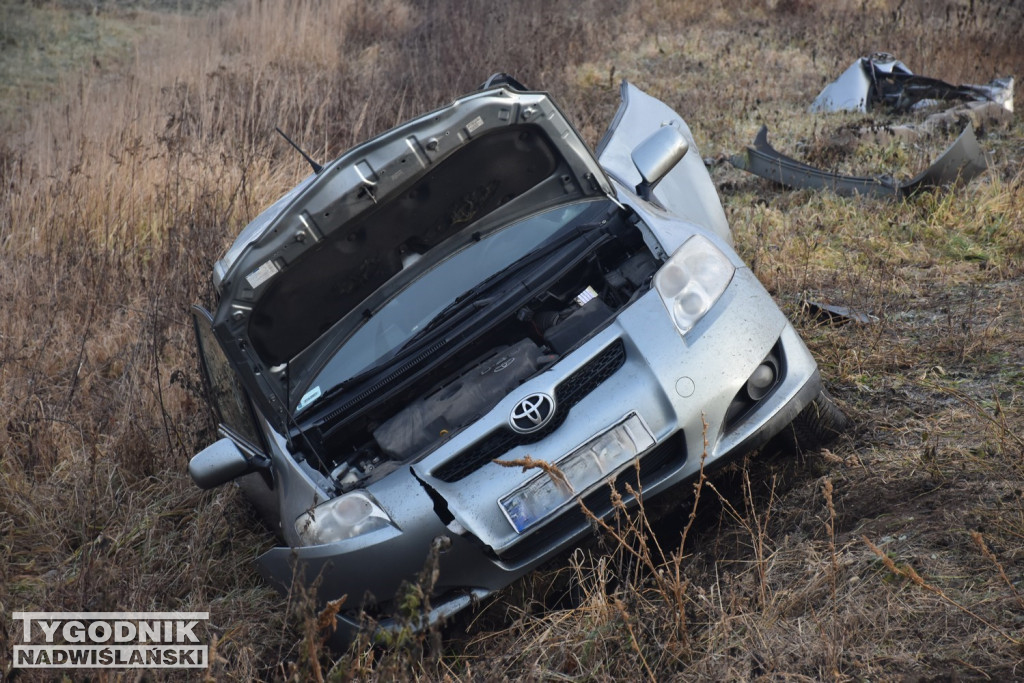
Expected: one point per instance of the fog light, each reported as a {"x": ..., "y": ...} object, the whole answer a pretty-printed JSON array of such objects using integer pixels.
[{"x": 760, "y": 381}]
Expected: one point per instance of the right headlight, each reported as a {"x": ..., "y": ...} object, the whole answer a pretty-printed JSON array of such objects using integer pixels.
[
  {"x": 347, "y": 516},
  {"x": 692, "y": 280}
]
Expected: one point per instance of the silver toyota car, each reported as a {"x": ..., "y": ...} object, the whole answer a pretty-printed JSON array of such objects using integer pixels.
[{"x": 477, "y": 287}]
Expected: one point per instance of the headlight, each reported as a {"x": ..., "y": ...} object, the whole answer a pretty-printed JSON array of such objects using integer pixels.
[
  {"x": 347, "y": 516},
  {"x": 691, "y": 281}
]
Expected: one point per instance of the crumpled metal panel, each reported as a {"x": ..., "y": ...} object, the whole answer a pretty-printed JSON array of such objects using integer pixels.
[
  {"x": 882, "y": 80},
  {"x": 852, "y": 91}
]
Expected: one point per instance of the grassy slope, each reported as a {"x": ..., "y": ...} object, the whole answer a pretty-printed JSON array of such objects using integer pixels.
[{"x": 121, "y": 192}]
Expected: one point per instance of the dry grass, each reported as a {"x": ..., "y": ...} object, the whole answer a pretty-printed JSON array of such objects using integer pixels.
[{"x": 128, "y": 174}]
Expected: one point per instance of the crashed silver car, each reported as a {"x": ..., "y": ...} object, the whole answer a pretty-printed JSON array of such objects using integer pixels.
[{"x": 471, "y": 288}]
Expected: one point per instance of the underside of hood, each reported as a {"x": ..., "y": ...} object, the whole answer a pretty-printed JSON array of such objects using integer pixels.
[{"x": 320, "y": 261}]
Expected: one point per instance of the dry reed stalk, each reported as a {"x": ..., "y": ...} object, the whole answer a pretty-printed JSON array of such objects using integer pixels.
[{"x": 908, "y": 572}]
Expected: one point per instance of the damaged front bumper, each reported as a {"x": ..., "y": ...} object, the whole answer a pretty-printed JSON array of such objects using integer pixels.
[
  {"x": 961, "y": 162},
  {"x": 681, "y": 388}
]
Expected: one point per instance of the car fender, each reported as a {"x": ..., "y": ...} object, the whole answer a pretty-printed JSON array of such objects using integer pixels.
[{"x": 686, "y": 190}]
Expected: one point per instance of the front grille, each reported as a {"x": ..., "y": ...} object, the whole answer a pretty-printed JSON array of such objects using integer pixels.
[
  {"x": 586, "y": 379},
  {"x": 568, "y": 393},
  {"x": 654, "y": 466}
]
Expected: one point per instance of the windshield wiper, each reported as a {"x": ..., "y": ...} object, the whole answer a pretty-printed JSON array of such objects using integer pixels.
[
  {"x": 462, "y": 304},
  {"x": 397, "y": 354},
  {"x": 468, "y": 301}
]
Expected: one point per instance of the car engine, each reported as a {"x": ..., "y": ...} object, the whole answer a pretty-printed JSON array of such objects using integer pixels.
[{"x": 373, "y": 435}]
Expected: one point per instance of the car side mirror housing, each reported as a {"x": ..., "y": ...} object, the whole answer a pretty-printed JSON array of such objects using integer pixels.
[
  {"x": 218, "y": 464},
  {"x": 656, "y": 156}
]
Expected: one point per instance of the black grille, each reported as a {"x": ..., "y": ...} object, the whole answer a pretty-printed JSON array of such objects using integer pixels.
[{"x": 567, "y": 394}]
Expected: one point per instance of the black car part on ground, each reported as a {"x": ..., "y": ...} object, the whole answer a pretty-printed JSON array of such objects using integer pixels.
[
  {"x": 963, "y": 160},
  {"x": 831, "y": 314},
  {"x": 900, "y": 92}
]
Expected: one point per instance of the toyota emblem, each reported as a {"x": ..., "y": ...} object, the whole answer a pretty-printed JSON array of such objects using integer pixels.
[{"x": 532, "y": 413}]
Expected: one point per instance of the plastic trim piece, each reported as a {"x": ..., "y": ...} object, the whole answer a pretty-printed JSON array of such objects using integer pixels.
[{"x": 963, "y": 160}]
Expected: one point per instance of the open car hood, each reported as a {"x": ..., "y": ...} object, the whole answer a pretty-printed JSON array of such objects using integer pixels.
[{"x": 320, "y": 261}]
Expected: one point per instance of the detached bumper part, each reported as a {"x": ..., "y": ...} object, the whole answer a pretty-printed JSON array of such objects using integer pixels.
[
  {"x": 882, "y": 80},
  {"x": 961, "y": 162}
]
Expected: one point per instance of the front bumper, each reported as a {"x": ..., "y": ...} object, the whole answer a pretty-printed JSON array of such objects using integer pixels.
[{"x": 681, "y": 387}]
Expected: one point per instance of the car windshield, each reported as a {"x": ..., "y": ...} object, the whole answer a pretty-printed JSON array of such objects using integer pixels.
[{"x": 412, "y": 309}]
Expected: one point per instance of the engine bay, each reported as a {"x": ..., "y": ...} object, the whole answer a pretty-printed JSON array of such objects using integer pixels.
[{"x": 373, "y": 435}]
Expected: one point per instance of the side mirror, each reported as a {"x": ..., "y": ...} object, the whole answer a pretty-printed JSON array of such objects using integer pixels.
[
  {"x": 218, "y": 464},
  {"x": 656, "y": 156}
]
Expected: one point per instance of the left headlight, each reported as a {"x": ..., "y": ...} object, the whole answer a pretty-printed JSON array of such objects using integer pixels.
[
  {"x": 692, "y": 280},
  {"x": 347, "y": 516}
]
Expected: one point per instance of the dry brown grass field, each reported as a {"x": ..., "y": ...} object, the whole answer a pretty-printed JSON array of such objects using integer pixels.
[{"x": 138, "y": 139}]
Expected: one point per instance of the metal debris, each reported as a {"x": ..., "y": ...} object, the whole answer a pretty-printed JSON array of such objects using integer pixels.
[
  {"x": 835, "y": 315},
  {"x": 882, "y": 80},
  {"x": 962, "y": 161}
]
